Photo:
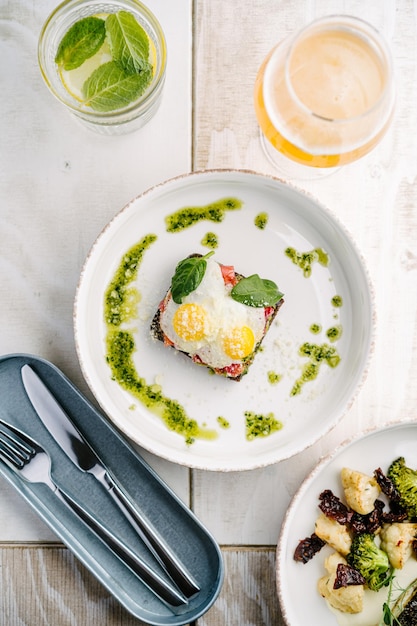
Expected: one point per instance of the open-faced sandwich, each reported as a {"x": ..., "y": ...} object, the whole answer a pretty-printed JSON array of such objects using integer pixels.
[{"x": 216, "y": 316}]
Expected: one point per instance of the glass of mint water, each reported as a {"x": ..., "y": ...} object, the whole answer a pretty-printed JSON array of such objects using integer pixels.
[{"x": 105, "y": 61}]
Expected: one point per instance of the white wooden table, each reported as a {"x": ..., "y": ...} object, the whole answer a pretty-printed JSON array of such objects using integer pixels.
[{"x": 61, "y": 184}]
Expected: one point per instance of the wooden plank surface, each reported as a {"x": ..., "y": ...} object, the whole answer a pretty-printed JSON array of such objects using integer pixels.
[{"x": 46, "y": 584}]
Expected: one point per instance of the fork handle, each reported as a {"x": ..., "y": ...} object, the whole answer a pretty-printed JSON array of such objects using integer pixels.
[
  {"x": 151, "y": 579},
  {"x": 153, "y": 541}
]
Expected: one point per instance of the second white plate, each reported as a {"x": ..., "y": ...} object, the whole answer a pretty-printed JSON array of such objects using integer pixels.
[
  {"x": 297, "y": 582},
  {"x": 294, "y": 220}
]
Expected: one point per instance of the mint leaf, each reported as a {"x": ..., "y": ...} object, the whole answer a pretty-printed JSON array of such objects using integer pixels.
[
  {"x": 129, "y": 42},
  {"x": 188, "y": 275},
  {"x": 257, "y": 292},
  {"x": 80, "y": 42},
  {"x": 110, "y": 88}
]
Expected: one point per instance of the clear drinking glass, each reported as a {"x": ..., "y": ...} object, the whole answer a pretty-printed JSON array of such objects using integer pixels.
[
  {"x": 325, "y": 97},
  {"x": 68, "y": 89}
]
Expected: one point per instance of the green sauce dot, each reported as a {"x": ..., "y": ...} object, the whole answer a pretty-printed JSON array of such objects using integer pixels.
[
  {"x": 315, "y": 329},
  {"x": 210, "y": 240},
  {"x": 261, "y": 220},
  {"x": 337, "y": 301},
  {"x": 305, "y": 260},
  {"x": 334, "y": 333},
  {"x": 274, "y": 378},
  {"x": 258, "y": 425}
]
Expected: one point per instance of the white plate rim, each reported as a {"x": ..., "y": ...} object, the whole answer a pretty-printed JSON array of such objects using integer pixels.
[{"x": 224, "y": 174}]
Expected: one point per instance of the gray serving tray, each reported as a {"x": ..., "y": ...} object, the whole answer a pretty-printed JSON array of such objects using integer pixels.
[{"x": 177, "y": 524}]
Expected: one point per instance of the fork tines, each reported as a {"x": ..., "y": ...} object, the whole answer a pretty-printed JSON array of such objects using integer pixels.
[{"x": 14, "y": 446}]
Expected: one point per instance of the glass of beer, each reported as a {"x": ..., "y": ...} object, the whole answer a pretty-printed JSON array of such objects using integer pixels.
[{"x": 325, "y": 97}]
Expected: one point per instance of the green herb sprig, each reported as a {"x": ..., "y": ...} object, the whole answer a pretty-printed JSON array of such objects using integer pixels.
[
  {"x": 252, "y": 291},
  {"x": 110, "y": 87},
  {"x": 188, "y": 275},
  {"x": 388, "y": 618},
  {"x": 129, "y": 43},
  {"x": 122, "y": 80},
  {"x": 80, "y": 42},
  {"x": 257, "y": 292}
]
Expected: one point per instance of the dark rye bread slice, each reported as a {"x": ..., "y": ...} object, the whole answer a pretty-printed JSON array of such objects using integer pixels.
[{"x": 234, "y": 373}]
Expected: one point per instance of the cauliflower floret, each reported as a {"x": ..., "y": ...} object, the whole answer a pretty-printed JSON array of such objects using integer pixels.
[
  {"x": 347, "y": 599},
  {"x": 396, "y": 541},
  {"x": 333, "y": 533},
  {"x": 361, "y": 490}
]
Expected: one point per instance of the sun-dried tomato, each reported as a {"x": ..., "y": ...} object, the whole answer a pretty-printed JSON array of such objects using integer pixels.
[
  {"x": 307, "y": 548},
  {"x": 397, "y": 513},
  {"x": 369, "y": 523},
  {"x": 386, "y": 485},
  {"x": 347, "y": 575},
  {"x": 333, "y": 508}
]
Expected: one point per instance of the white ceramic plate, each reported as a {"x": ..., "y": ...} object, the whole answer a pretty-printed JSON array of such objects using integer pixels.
[
  {"x": 297, "y": 582},
  {"x": 295, "y": 220}
]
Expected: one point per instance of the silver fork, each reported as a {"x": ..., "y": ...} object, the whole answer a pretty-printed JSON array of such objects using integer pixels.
[{"x": 27, "y": 458}]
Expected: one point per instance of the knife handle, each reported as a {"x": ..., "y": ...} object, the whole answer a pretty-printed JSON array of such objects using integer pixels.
[
  {"x": 151, "y": 579},
  {"x": 161, "y": 551}
]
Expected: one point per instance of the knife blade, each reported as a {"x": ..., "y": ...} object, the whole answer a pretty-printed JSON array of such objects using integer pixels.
[
  {"x": 32, "y": 463},
  {"x": 61, "y": 427}
]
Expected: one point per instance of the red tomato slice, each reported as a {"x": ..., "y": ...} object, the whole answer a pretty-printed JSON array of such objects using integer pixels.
[{"x": 228, "y": 272}]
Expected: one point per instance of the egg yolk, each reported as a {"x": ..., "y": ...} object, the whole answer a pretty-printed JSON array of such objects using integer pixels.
[
  {"x": 239, "y": 343},
  {"x": 189, "y": 321}
]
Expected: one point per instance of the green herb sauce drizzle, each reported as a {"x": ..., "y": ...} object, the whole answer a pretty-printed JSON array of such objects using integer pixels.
[
  {"x": 305, "y": 260},
  {"x": 121, "y": 303},
  {"x": 317, "y": 354},
  {"x": 120, "y": 300},
  {"x": 258, "y": 425},
  {"x": 214, "y": 212},
  {"x": 119, "y": 308}
]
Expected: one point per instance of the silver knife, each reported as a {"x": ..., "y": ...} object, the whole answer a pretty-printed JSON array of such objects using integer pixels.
[
  {"x": 84, "y": 457},
  {"x": 32, "y": 463}
]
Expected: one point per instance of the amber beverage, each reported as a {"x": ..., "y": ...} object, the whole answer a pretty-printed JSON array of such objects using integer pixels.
[{"x": 325, "y": 97}]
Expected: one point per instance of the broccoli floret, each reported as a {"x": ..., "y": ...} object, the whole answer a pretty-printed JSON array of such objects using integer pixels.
[
  {"x": 369, "y": 560},
  {"x": 405, "y": 481}
]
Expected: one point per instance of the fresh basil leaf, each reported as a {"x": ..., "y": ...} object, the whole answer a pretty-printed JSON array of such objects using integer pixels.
[
  {"x": 188, "y": 275},
  {"x": 110, "y": 88},
  {"x": 129, "y": 42},
  {"x": 80, "y": 42},
  {"x": 257, "y": 292}
]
